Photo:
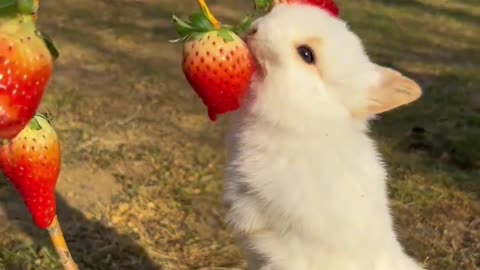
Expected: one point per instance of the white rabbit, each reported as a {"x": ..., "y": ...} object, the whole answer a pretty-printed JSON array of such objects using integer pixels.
[{"x": 304, "y": 184}]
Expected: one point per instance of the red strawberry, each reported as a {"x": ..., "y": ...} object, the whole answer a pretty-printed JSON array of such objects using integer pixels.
[
  {"x": 327, "y": 5},
  {"x": 25, "y": 65},
  {"x": 31, "y": 161},
  {"x": 216, "y": 62}
]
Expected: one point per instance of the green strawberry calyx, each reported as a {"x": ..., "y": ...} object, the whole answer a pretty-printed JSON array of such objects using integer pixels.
[
  {"x": 46, "y": 115},
  {"x": 266, "y": 6},
  {"x": 200, "y": 23},
  {"x": 34, "y": 125},
  {"x": 27, "y": 7},
  {"x": 13, "y": 7},
  {"x": 4, "y": 4},
  {"x": 263, "y": 4}
]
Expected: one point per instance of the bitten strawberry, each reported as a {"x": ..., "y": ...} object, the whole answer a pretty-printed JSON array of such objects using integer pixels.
[
  {"x": 327, "y": 5},
  {"x": 216, "y": 61},
  {"x": 31, "y": 162},
  {"x": 26, "y": 57}
]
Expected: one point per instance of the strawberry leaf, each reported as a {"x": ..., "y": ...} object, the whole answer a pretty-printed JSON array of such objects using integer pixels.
[
  {"x": 200, "y": 22},
  {"x": 7, "y": 3},
  {"x": 47, "y": 116},
  {"x": 243, "y": 25},
  {"x": 50, "y": 45},
  {"x": 197, "y": 35},
  {"x": 180, "y": 39},
  {"x": 8, "y": 8},
  {"x": 183, "y": 28},
  {"x": 227, "y": 26},
  {"x": 34, "y": 124},
  {"x": 225, "y": 34},
  {"x": 26, "y": 6},
  {"x": 262, "y": 4}
]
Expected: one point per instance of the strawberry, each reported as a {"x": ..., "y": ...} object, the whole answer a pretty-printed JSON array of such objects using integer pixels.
[
  {"x": 327, "y": 5},
  {"x": 216, "y": 62},
  {"x": 26, "y": 57},
  {"x": 31, "y": 162}
]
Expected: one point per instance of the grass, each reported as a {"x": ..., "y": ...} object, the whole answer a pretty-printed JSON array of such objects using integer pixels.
[{"x": 141, "y": 178}]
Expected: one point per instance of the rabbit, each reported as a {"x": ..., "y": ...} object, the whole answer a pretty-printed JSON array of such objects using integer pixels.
[{"x": 304, "y": 184}]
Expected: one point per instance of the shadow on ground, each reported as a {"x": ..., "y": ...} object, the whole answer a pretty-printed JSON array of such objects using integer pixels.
[{"x": 93, "y": 244}]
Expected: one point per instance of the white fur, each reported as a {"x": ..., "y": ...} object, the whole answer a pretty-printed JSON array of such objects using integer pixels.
[{"x": 304, "y": 184}]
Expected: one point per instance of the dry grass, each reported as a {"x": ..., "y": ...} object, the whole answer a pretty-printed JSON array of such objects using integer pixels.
[{"x": 141, "y": 182}]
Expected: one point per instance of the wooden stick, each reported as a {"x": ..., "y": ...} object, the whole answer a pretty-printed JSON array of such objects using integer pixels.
[
  {"x": 208, "y": 14},
  {"x": 58, "y": 241}
]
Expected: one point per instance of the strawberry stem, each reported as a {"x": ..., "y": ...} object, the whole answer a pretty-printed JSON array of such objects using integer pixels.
[{"x": 208, "y": 14}]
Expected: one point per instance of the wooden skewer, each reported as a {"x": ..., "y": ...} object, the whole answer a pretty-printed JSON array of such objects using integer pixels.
[
  {"x": 58, "y": 241},
  {"x": 208, "y": 14}
]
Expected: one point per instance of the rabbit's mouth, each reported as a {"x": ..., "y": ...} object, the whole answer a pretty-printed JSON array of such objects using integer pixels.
[
  {"x": 255, "y": 51},
  {"x": 253, "y": 39}
]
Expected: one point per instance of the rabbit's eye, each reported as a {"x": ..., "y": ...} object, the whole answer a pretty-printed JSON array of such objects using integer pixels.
[{"x": 307, "y": 54}]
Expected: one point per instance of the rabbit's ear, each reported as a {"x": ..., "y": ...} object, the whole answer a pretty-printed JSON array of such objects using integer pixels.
[{"x": 394, "y": 90}]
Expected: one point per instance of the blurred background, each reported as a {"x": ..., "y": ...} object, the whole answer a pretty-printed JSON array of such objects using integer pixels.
[{"x": 142, "y": 165}]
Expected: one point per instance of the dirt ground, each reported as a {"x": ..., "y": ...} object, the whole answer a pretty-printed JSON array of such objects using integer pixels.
[{"x": 142, "y": 164}]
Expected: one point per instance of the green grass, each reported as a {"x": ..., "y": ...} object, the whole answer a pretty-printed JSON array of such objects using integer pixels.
[{"x": 135, "y": 133}]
